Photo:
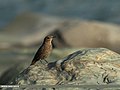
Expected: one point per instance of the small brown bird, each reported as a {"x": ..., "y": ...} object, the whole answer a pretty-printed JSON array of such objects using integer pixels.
[{"x": 44, "y": 50}]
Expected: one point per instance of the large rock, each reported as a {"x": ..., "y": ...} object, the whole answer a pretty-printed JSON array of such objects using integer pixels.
[
  {"x": 17, "y": 60},
  {"x": 9, "y": 74},
  {"x": 29, "y": 29},
  {"x": 92, "y": 66},
  {"x": 91, "y": 34}
]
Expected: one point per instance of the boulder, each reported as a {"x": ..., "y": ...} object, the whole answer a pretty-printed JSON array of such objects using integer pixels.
[
  {"x": 8, "y": 75},
  {"x": 92, "y": 34},
  {"x": 29, "y": 29},
  {"x": 90, "y": 66}
]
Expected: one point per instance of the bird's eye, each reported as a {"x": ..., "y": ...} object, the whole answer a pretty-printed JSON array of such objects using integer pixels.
[{"x": 48, "y": 37}]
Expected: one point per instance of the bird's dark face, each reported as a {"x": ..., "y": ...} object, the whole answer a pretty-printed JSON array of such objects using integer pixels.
[{"x": 48, "y": 38}]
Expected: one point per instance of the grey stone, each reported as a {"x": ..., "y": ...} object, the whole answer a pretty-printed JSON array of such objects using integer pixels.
[
  {"x": 29, "y": 29},
  {"x": 92, "y": 66}
]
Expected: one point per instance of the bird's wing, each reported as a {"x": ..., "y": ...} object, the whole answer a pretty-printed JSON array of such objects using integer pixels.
[{"x": 38, "y": 53}]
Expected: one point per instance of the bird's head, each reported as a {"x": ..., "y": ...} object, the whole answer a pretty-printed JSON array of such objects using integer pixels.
[{"x": 49, "y": 38}]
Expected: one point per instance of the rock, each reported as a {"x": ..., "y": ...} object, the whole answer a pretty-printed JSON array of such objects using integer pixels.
[
  {"x": 90, "y": 34},
  {"x": 92, "y": 66},
  {"x": 29, "y": 29},
  {"x": 11, "y": 73}
]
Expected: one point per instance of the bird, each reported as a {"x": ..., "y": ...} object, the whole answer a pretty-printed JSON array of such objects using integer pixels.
[{"x": 44, "y": 51}]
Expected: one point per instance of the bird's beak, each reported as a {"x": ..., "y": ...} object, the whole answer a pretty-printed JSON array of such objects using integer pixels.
[{"x": 53, "y": 36}]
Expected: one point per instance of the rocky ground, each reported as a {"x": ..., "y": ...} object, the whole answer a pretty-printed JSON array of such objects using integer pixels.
[
  {"x": 20, "y": 59},
  {"x": 20, "y": 40},
  {"x": 76, "y": 24},
  {"x": 92, "y": 66}
]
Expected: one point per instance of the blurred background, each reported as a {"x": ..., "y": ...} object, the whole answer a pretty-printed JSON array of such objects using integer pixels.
[{"x": 76, "y": 23}]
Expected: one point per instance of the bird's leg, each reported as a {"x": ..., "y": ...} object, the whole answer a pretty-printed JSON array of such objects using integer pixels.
[
  {"x": 46, "y": 61},
  {"x": 41, "y": 61}
]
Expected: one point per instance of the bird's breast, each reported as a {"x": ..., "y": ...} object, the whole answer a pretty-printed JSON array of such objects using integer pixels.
[{"x": 46, "y": 51}]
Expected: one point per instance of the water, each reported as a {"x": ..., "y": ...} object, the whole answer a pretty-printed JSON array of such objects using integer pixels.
[{"x": 102, "y": 10}]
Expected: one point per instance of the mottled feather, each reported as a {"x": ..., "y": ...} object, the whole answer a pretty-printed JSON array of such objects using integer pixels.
[{"x": 44, "y": 50}]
